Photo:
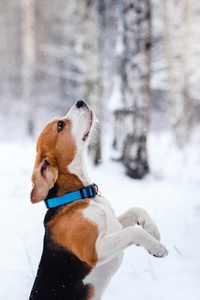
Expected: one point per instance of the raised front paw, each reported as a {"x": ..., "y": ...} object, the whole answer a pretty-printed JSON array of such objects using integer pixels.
[
  {"x": 150, "y": 227},
  {"x": 158, "y": 250}
]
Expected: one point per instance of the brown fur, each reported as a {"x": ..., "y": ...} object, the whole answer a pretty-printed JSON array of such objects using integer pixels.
[
  {"x": 91, "y": 292},
  {"x": 74, "y": 232},
  {"x": 58, "y": 149}
]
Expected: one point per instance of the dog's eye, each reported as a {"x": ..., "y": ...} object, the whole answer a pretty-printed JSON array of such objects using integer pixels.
[
  {"x": 44, "y": 165},
  {"x": 61, "y": 125}
]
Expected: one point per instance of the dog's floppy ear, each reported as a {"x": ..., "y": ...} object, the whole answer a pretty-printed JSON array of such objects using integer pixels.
[{"x": 45, "y": 174}]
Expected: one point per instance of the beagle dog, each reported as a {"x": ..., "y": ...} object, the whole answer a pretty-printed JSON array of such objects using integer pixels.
[{"x": 84, "y": 240}]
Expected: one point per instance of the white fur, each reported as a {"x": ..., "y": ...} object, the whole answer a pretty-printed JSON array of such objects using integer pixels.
[
  {"x": 115, "y": 234},
  {"x": 100, "y": 212},
  {"x": 80, "y": 118},
  {"x": 78, "y": 168}
]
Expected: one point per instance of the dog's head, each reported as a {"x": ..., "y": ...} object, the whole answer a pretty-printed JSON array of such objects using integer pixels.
[{"x": 59, "y": 143}]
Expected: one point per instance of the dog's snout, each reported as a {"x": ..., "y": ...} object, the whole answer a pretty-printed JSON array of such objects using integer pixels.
[{"x": 80, "y": 103}]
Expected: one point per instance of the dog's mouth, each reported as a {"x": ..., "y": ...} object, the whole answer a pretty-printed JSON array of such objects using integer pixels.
[{"x": 85, "y": 137}]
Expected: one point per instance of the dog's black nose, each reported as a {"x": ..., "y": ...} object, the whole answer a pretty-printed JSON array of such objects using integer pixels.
[{"x": 80, "y": 103}]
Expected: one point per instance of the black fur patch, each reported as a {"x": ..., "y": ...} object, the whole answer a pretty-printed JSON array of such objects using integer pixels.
[{"x": 60, "y": 273}]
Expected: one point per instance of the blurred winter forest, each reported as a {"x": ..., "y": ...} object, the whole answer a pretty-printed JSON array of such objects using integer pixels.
[{"x": 135, "y": 62}]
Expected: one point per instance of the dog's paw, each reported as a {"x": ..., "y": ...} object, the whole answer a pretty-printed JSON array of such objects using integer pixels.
[
  {"x": 152, "y": 229},
  {"x": 158, "y": 250}
]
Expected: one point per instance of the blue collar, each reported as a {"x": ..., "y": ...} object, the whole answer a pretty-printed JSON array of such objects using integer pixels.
[{"x": 89, "y": 191}]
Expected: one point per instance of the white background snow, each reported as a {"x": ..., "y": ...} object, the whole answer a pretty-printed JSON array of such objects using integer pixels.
[{"x": 170, "y": 193}]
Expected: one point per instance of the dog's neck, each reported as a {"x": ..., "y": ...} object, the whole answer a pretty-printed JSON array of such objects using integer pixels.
[
  {"x": 71, "y": 178},
  {"x": 78, "y": 168}
]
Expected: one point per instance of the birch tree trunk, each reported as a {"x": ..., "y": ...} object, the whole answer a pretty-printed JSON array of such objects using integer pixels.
[
  {"x": 186, "y": 120},
  {"x": 136, "y": 84},
  {"x": 176, "y": 34},
  {"x": 29, "y": 59},
  {"x": 92, "y": 70},
  {"x": 3, "y": 54}
]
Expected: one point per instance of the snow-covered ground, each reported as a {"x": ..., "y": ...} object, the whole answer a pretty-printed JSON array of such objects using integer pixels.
[{"x": 170, "y": 193}]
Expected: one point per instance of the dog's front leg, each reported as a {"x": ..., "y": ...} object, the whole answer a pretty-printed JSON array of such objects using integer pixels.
[
  {"x": 136, "y": 215},
  {"x": 110, "y": 245}
]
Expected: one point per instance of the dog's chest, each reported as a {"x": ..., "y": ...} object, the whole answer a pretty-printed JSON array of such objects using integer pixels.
[{"x": 102, "y": 214}]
